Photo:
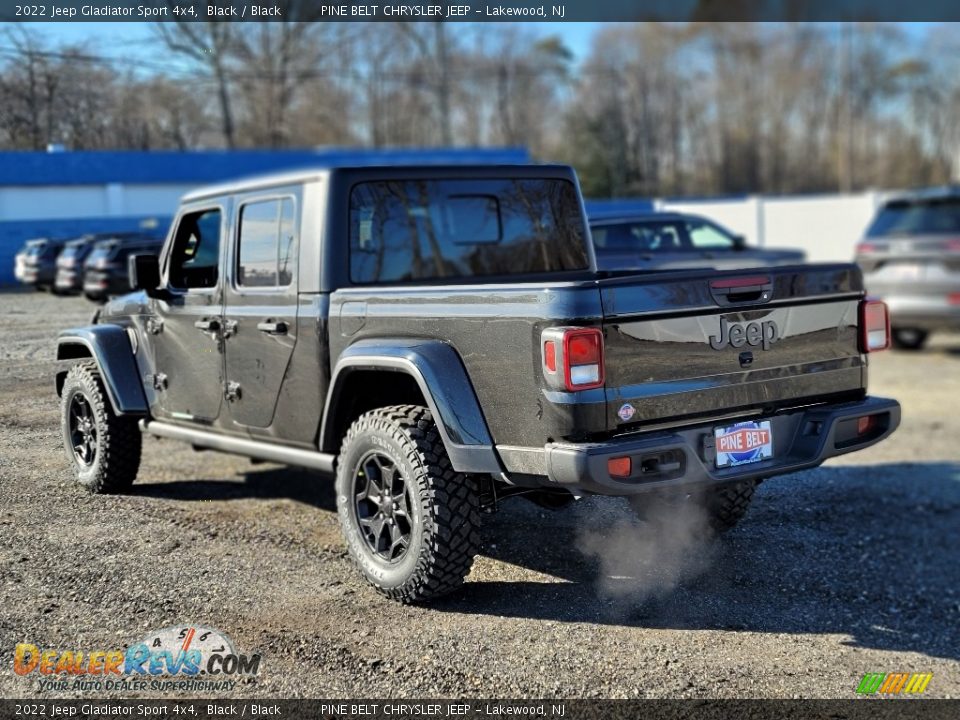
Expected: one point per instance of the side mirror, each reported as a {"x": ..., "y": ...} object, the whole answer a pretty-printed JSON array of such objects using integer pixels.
[
  {"x": 144, "y": 273},
  {"x": 739, "y": 242}
]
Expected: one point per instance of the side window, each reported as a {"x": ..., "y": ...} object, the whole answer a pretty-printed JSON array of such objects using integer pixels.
[
  {"x": 194, "y": 260},
  {"x": 708, "y": 237},
  {"x": 664, "y": 237},
  {"x": 266, "y": 253}
]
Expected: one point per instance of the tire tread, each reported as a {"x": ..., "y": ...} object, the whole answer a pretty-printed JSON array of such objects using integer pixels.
[
  {"x": 119, "y": 438},
  {"x": 452, "y": 519}
]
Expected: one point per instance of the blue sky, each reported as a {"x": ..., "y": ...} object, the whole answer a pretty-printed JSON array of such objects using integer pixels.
[{"x": 124, "y": 39}]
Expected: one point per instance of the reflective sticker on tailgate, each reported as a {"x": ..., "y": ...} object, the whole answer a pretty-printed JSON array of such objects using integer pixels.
[{"x": 745, "y": 442}]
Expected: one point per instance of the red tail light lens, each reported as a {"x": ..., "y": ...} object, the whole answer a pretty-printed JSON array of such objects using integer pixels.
[
  {"x": 583, "y": 359},
  {"x": 874, "y": 326},
  {"x": 866, "y": 248},
  {"x": 953, "y": 245},
  {"x": 583, "y": 348}
]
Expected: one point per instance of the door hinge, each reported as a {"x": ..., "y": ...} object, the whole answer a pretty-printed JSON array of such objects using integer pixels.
[
  {"x": 154, "y": 325},
  {"x": 232, "y": 391}
]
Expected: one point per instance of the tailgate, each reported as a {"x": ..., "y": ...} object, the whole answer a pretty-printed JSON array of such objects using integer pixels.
[{"x": 695, "y": 345}]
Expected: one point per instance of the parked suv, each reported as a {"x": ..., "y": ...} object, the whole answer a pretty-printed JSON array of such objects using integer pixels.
[
  {"x": 39, "y": 265},
  {"x": 105, "y": 269},
  {"x": 910, "y": 258},
  {"x": 20, "y": 259},
  {"x": 69, "y": 278},
  {"x": 440, "y": 339}
]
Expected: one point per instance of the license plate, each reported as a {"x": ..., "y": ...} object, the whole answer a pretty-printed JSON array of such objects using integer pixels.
[
  {"x": 906, "y": 271},
  {"x": 743, "y": 443}
]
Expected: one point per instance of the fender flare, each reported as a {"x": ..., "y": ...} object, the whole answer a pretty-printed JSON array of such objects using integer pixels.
[
  {"x": 109, "y": 346},
  {"x": 442, "y": 379}
]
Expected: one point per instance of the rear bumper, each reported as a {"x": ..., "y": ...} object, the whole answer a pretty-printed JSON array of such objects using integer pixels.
[
  {"x": 802, "y": 439},
  {"x": 96, "y": 284},
  {"x": 68, "y": 280}
]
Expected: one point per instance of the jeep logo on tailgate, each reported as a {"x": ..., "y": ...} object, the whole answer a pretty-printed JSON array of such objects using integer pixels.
[{"x": 764, "y": 333}]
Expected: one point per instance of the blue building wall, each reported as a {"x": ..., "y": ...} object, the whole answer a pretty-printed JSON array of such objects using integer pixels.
[
  {"x": 205, "y": 166},
  {"x": 64, "y": 169},
  {"x": 618, "y": 206}
]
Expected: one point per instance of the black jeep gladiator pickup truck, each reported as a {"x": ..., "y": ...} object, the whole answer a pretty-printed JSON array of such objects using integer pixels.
[{"x": 440, "y": 338}]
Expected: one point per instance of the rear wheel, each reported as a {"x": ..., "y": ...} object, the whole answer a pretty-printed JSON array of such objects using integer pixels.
[
  {"x": 908, "y": 338},
  {"x": 724, "y": 506},
  {"x": 411, "y": 522},
  {"x": 727, "y": 505},
  {"x": 103, "y": 448}
]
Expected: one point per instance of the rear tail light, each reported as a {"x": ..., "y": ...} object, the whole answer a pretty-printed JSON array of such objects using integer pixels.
[
  {"x": 953, "y": 245},
  {"x": 866, "y": 249},
  {"x": 874, "y": 326},
  {"x": 573, "y": 358},
  {"x": 953, "y": 298}
]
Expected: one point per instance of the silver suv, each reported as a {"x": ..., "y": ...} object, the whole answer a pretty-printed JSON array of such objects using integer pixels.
[{"x": 910, "y": 258}]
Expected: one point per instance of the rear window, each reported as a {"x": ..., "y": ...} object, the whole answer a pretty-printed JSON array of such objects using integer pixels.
[
  {"x": 431, "y": 229},
  {"x": 917, "y": 218}
]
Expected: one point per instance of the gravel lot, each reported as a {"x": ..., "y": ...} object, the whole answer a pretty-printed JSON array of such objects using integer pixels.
[{"x": 848, "y": 569}]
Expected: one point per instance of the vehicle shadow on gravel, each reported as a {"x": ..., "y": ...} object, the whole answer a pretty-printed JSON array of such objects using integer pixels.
[
  {"x": 271, "y": 483},
  {"x": 866, "y": 552}
]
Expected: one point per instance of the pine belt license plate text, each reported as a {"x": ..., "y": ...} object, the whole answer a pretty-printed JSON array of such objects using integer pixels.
[{"x": 745, "y": 442}]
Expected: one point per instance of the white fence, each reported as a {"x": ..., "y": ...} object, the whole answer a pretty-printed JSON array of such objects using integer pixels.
[{"x": 827, "y": 227}]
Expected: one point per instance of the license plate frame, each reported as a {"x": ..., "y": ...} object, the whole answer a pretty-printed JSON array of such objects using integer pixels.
[{"x": 743, "y": 443}]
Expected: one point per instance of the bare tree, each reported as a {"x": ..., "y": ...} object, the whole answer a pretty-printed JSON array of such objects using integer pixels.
[{"x": 208, "y": 44}]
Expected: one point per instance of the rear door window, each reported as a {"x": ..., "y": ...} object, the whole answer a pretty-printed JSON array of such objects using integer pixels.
[{"x": 267, "y": 243}]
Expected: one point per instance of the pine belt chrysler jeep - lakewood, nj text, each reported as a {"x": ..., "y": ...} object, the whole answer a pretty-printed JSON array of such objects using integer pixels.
[{"x": 440, "y": 338}]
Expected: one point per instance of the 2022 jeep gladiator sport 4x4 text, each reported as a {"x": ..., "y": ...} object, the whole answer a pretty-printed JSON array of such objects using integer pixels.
[{"x": 439, "y": 338}]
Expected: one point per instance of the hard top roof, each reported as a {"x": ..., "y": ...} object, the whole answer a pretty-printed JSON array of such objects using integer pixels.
[{"x": 394, "y": 171}]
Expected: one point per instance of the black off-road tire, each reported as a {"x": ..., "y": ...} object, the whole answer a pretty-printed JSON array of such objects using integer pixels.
[
  {"x": 116, "y": 460},
  {"x": 908, "y": 338},
  {"x": 724, "y": 506},
  {"x": 443, "y": 505}
]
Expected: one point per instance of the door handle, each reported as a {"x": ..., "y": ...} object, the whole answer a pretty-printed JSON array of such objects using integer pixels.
[
  {"x": 272, "y": 328},
  {"x": 207, "y": 325}
]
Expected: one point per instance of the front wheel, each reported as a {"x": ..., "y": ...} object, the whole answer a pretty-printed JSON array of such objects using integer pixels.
[
  {"x": 411, "y": 522},
  {"x": 103, "y": 448}
]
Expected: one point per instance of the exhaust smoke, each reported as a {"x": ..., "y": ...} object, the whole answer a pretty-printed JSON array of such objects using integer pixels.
[{"x": 647, "y": 555}]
